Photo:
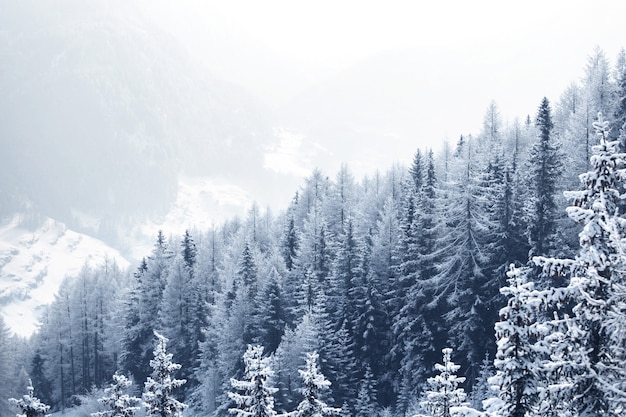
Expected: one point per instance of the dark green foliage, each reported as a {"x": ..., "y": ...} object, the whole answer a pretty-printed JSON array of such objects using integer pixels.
[
  {"x": 417, "y": 170},
  {"x": 545, "y": 162},
  {"x": 189, "y": 250}
]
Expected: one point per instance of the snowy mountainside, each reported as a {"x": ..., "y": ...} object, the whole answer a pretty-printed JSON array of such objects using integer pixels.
[
  {"x": 34, "y": 263},
  {"x": 104, "y": 109},
  {"x": 201, "y": 203}
]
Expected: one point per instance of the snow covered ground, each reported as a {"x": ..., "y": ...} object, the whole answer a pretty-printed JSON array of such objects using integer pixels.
[{"x": 34, "y": 263}]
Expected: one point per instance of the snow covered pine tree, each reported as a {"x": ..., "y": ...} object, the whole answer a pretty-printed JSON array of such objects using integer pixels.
[
  {"x": 586, "y": 362},
  {"x": 314, "y": 383},
  {"x": 118, "y": 403},
  {"x": 29, "y": 405},
  {"x": 257, "y": 396},
  {"x": 444, "y": 392},
  {"x": 157, "y": 393}
]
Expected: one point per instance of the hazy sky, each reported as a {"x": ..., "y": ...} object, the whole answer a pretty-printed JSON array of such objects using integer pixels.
[{"x": 511, "y": 52}]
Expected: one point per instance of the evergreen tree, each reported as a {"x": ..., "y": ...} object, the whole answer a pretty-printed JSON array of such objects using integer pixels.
[
  {"x": 314, "y": 383},
  {"x": 444, "y": 392},
  {"x": 339, "y": 363},
  {"x": 178, "y": 316},
  {"x": 463, "y": 289},
  {"x": 117, "y": 402},
  {"x": 482, "y": 389},
  {"x": 417, "y": 170},
  {"x": 290, "y": 242},
  {"x": 598, "y": 281},
  {"x": 516, "y": 360},
  {"x": 619, "y": 113},
  {"x": 367, "y": 401},
  {"x": 189, "y": 251},
  {"x": 545, "y": 170},
  {"x": 585, "y": 349},
  {"x": 29, "y": 405},
  {"x": 158, "y": 388},
  {"x": 142, "y": 310},
  {"x": 289, "y": 356},
  {"x": 7, "y": 367},
  {"x": 247, "y": 271},
  {"x": 255, "y": 397},
  {"x": 270, "y": 313}
]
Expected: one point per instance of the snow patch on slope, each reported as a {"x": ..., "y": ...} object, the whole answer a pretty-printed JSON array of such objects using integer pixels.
[
  {"x": 34, "y": 263},
  {"x": 201, "y": 204}
]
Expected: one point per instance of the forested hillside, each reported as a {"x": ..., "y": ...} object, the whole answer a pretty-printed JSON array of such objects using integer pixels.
[{"x": 379, "y": 275}]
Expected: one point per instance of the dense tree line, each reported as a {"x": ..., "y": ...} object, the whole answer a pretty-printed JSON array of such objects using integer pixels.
[{"x": 377, "y": 276}]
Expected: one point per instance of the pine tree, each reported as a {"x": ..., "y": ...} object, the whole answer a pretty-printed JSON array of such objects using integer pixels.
[
  {"x": 516, "y": 360},
  {"x": 142, "y": 310},
  {"x": 7, "y": 367},
  {"x": 367, "y": 401},
  {"x": 599, "y": 281},
  {"x": 586, "y": 355},
  {"x": 29, "y": 405},
  {"x": 417, "y": 170},
  {"x": 462, "y": 290},
  {"x": 255, "y": 397},
  {"x": 314, "y": 383},
  {"x": 444, "y": 392},
  {"x": 619, "y": 114},
  {"x": 545, "y": 170},
  {"x": 270, "y": 313},
  {"x": 482, "y": 389},
  {"x": 189, "y": 250},
  {"x": 117, "y": 402},
  {"x": 158, "y": 388},
  {"x": 289, "y": 356},
  {"x": 290, "y": 243}
]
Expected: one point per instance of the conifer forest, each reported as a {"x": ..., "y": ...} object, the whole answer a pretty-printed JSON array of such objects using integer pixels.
[{"x": 488, "y": 278}]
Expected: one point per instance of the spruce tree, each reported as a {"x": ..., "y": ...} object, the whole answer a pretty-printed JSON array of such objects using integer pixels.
[
  {"x": 256, "y": 396},
  {"x": 117, "y": 402},
  {"x": 367, "y": 401},
  {"x": 158, "y": 388},
  {"x": 417, "y": 170},
  {"x": 516, "y": 361},
  {"x": 142, "y": 310},
  {"x": 599, "y": 280},
  {"x": 314, "y": 383},
  {"x": 545, "y": 170},
  {"x": 443, "y": 391},
  {"x": 29, "y": 405},
  {"x": 587, "y": 357}
]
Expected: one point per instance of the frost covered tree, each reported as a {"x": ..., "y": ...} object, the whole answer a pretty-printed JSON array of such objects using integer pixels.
[
  {"x": 599, "y": 282},
  {"x": 158, "y": 388},
  {"x": 482, "y": 389},
  {"x": 443, "y": 391},
  {"x": 516, "y": 377},
  {"x": 143, "y": 304},
  {"x": 117, "y": 402},
  {"x": 591, "y": 373},
  {"x": 463, "y": 289},
  {"x": 256, "y": 396},
  {"x": 314, "y": 383},
  {"x": 29, "y": 405}
]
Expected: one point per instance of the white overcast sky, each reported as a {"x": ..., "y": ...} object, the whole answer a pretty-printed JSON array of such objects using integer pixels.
[{"x": 524, "y": 50}]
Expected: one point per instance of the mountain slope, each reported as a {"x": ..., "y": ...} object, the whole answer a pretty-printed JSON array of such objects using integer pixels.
[
  {"x": 34, "y": 262},
  {"x": 102, "y": 111}
]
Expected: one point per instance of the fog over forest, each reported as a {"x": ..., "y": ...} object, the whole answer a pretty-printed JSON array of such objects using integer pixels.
[{"x": 349, "y": 209}]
